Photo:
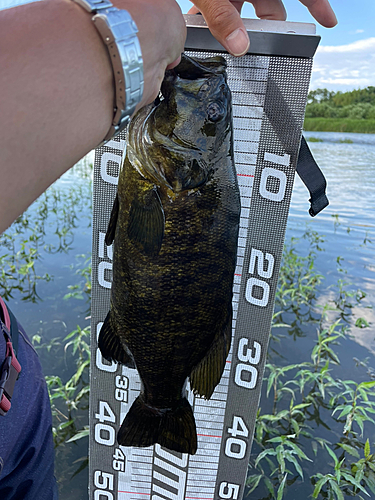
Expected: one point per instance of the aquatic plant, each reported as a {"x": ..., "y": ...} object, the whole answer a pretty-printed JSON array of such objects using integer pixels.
[
  {"x": 47, "y": 227},
  {"x": 69, "y": 397},
  {"x": 315, "y": 428},
  {"x": 363, "y": 126},
  {"x": 298, "y": 436},
  {"x": 314, "y": 139}
]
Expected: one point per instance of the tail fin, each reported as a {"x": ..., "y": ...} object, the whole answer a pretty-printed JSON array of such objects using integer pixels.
[{"x": 173, "y": 428}]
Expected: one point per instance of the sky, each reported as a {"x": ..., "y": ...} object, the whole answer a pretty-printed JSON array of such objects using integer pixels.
[{"x": 345, "y": 59}]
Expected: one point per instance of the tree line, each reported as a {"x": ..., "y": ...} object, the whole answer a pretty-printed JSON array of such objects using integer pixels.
[{"x": 356, "y": 104}]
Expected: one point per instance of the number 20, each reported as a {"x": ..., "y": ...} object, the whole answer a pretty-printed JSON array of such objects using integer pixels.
[{"x": 257, "y": 259}]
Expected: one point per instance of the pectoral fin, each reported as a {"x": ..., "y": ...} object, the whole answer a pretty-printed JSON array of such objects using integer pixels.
[
  {"x": 146, "y": 222},
  {"x": 207, "y": 374},
  {"x": 110, "y": 235}
]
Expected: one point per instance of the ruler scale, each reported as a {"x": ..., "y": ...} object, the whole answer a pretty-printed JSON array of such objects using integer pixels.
[{"x": 265, "y": 83}]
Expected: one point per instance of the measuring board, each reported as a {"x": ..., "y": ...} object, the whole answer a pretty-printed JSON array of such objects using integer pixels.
[{"x": 272, "y": 78}]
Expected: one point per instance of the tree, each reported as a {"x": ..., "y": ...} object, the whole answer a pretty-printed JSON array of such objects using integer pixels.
[{"x": 320, "y": 95}]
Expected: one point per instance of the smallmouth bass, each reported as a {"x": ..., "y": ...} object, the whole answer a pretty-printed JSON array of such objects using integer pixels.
[{"x": 174, "y": 225}]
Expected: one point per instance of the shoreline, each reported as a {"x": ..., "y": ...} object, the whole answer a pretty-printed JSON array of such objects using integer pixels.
[{"x": 339, "y": 125}]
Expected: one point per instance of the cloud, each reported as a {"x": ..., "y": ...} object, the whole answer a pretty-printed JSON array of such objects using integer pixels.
[
  {"x": 358, "y": 46},
  {"x": 345, "y": 67},
  {"x": 356, "y": 32}
]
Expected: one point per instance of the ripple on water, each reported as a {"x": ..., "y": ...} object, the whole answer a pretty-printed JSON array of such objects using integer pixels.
[{"x": 348, "y": 223}]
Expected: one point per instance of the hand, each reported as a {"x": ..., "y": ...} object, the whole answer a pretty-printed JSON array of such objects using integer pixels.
[
  {"x": 162, "y": 34},
  {"x": 223, "y": 18},
  {"x": 56, "y": 98}
]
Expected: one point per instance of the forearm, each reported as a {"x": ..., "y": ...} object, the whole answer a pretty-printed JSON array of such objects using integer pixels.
[{"x": 52, "y": 41}]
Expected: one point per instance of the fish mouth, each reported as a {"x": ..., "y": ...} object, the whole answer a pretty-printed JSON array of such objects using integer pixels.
[
  {"x": 193, "y": 69},
  {"x": 182, "y": 143},
  {"x": 190, "y": 70},
  {"x": 183, "y": 166},
  {"x": 174, "y": 142}
]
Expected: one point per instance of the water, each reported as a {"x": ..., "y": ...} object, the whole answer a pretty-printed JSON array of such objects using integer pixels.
[
  {"x": 348, "y": 223},
  {"x": 348, "y": 227},
  {"x": 64, "y": 215}
]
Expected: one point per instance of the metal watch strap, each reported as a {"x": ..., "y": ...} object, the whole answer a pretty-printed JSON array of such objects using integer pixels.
[{"x": 119, "y": 33}]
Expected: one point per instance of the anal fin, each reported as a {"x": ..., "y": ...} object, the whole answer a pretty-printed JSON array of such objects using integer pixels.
[
  {"x": 110, "y": 344},
  {"x": 207, "y": 373}
]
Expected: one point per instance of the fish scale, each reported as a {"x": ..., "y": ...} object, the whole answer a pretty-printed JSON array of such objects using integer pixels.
[{"x": 225, "y": 423}]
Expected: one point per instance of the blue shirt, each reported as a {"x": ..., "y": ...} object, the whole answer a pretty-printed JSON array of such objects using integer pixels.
[{"x": 26, "y": 443}]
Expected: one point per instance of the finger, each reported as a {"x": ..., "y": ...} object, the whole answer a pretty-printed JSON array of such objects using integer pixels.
[
  {"x": 237, "y": 3},
  {"x": 194, "y": 10},
  {"x": 270, "y": 9},
  {"x": 225, "y": 23},
  {"x": 322, "y": 11},
  {"x": 174, "y": 63}
]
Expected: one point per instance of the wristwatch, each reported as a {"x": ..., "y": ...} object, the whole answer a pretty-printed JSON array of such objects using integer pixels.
[{"x": 119, "y": 33}]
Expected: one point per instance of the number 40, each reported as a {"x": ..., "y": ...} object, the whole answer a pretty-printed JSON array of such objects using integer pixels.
[{"x": 234, "y": 446}]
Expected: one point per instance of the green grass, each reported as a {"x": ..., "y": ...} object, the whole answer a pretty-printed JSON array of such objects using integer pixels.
[
  {"x": 339, "y": 125},
  {"x": 314, "y": 139}
]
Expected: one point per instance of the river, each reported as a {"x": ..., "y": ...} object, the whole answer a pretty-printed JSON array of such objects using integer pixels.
[
  {"x": 348, "y": 223},
  {"x": 347, "y": 227}
]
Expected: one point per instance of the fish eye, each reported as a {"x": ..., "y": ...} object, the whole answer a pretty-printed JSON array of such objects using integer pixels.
[{"x": 215, "y": 112}]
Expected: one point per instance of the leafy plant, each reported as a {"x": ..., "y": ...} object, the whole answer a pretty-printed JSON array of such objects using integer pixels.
[
  {"x": 47, "y": 227},
  {"x": 306, "y": 398},
  {"x": 72, "y": 395}
]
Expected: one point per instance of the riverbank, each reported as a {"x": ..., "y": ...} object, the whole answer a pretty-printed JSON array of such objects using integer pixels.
[{"x": 339, "y": 125}]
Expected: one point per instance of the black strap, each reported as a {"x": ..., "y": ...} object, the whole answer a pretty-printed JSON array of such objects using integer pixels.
[
  {"x": 285, "y": 126},
  {"x": 313, "y": 178}
]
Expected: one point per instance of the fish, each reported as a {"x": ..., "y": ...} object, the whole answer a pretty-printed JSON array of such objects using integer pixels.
[{"x": 174, "y": 228}]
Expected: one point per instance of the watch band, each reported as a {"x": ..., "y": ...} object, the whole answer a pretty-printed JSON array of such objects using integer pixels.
[{"x": 119, "y": 33}]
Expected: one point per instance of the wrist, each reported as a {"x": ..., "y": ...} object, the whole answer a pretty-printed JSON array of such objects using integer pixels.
[
  {"x": 118, "y": 32},
  {"x": 97, "y": 63}
]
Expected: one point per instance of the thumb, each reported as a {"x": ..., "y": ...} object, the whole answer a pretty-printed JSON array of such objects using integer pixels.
[{"x": 225, "y": 24}]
